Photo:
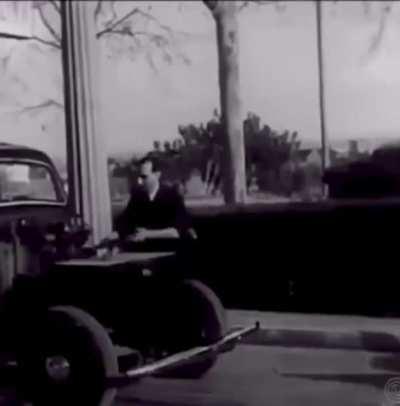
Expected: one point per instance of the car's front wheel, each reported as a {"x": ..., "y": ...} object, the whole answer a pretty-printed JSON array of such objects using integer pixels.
[{"x": 66, "y": 360}]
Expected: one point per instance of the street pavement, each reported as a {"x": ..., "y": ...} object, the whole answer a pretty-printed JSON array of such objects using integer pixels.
[
  {"x": 261, "y": 376},
  {"x": 294, "y": 360}
]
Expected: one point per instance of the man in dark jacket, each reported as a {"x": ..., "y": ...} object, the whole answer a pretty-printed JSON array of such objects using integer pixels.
[{"x": 154, "y": 211}]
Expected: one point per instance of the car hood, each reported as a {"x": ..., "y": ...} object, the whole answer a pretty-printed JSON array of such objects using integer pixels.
[{"x": 41, "y": 214}]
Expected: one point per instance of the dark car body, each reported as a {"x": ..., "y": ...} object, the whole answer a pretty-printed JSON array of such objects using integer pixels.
[
  {"x": 374, "y": 177},
  {"x": 41, "y": 232},
  {"x": 59, "y": 294},
  {"x": 52, "y": 266},
  {"x": 264, "y": 257}
]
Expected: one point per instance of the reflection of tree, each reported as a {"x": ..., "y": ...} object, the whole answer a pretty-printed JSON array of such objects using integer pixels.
[
  {"x": 138, "y": 24},
  {"x": 36, "y": 109},
  {"x": 128, "y": 31},
  {"x": 201, "y": 150},
  {"x": 138, "y": 32},
  {"x": 377, "y": 38}
]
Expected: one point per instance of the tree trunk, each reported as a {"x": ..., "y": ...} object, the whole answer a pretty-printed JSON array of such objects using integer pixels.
[{"x": 225, "y": 15}]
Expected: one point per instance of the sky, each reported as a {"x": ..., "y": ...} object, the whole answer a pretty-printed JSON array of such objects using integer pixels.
[{"x": 278, "y": 68}]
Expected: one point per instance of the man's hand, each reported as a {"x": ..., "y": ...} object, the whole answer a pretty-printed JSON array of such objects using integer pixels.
[
  {"x": 140, "y": 235},
  {"x": 143, "y": 234},
  {"x": 165, "y": 234},
  {"x": 192, "y": 234},
  {"x": 109, "y": 239},
  {"x": 107, "y": 247}
]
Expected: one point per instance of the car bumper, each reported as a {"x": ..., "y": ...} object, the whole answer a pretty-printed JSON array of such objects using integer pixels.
[{"x": 169, "y": 363}]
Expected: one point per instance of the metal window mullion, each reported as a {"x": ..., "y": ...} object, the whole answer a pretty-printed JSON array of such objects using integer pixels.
[
  {"x": 71, "y": 114},
  {"x": 325, "y": 155}
]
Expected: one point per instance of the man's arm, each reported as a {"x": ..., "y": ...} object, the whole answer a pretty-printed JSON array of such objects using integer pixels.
[
  {"x": 180, "y": 224},
  {"x": 163, "y": 233},
  {"x": 125, "y": 223},
  {"x": 183, "y": 219}
]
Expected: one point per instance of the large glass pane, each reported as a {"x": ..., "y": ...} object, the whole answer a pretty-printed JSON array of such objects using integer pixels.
[
  {"x": 31, "y": 82},
  {"x": 163, "y": 99},
  {"x": 363, "y": 93},
  {"x": 279, "y": 74},
  {"x": 160, "y": 90}
]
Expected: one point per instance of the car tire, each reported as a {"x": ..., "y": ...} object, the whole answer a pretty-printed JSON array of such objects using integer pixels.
[
  {"x": 198, "y": 319},
  {"x": 66, "y": 361}
]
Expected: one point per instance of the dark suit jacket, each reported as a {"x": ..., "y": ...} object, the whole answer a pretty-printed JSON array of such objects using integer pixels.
[{"x": 166, "y": 210}]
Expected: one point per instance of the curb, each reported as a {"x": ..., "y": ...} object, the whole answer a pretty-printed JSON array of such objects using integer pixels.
[{"x": 358, "y": 340}]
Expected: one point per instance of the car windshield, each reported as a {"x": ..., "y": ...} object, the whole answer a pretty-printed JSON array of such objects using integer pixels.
[{"x": 26, "y": 181}]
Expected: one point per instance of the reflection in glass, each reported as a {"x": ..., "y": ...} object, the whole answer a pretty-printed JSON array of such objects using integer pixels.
[
  {"x": 363, "y": 92},
  {"x": 22, "y": 182},
  {"x": 31, "y": 79}
]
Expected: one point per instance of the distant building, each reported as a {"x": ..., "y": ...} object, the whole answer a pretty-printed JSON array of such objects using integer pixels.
[
  {"x": 354, "y": 152},
  {"x": 313, "y": 157},
  {"x": 353, "y": 149}
]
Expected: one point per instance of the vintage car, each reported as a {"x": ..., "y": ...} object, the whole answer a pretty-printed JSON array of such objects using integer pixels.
[{"x": 76, "y": 324}]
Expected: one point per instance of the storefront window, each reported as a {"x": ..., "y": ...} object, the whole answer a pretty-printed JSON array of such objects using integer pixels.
[
  {"x": 31, "y": 80},
  {"x": 363, "y": 92}
]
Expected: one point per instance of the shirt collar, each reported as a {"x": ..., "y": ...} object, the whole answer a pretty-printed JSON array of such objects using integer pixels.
[{"x": 153, "y": 195}]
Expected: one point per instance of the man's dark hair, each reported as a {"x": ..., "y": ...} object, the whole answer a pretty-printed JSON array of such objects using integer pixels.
[{"x": 155, "y": 163}]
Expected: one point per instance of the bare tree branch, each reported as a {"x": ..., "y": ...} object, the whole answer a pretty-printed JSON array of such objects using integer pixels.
[
  {"x": 211, "y": 4},
  {"x": 377, "y": 39},
  {"x": 278, "y": 4},
  {"x": 114, "y": 13},
  {"x": 244, "y": 5},
  {"x": 118, "y": 22},
  {"x": 38, "y": 107},
  {"x": 111, "y": 28},
  {"x": 97, "y": 10},
  {"x": 124, "y": 31},
  {"x": 131, "y": 13},
  {"x": 4, "y": 61},
  {"x": 45, "y": 42},
  {"x": 143, "y": 41},
  {"x": 7, "y": 35},
  {"x": 366, "y": 7},
  {"x": 56, "y": 6},
  {"x": 161, "y": 41},
  {"x": 152, "y": 18},
  {"x": 150, "y": 61},
  {"x": 46, "y": 23},
  {"x": 157, "y": 38}
]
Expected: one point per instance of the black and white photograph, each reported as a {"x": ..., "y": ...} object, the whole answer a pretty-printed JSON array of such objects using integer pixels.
[{"x": 199, "y": 203}]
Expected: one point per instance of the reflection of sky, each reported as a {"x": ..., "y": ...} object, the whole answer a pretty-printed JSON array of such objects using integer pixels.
[{"x": 279, "y": 79}]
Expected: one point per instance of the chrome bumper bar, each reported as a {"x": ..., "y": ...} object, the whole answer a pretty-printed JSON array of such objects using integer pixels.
[{"x": 226, "y": 343}]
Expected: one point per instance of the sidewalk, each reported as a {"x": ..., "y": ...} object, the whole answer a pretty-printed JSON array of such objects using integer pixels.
[{"x": 320, "y": 331}]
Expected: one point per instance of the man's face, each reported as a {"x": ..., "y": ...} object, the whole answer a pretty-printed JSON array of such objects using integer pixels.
[{"x": 148, "y": 179}]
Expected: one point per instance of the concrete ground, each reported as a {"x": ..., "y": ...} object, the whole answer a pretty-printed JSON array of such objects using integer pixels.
[
  {"x": 321, "y": 331},
  {"x": 294, "y": 360},
  {"x": 260, "y": 376}
]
